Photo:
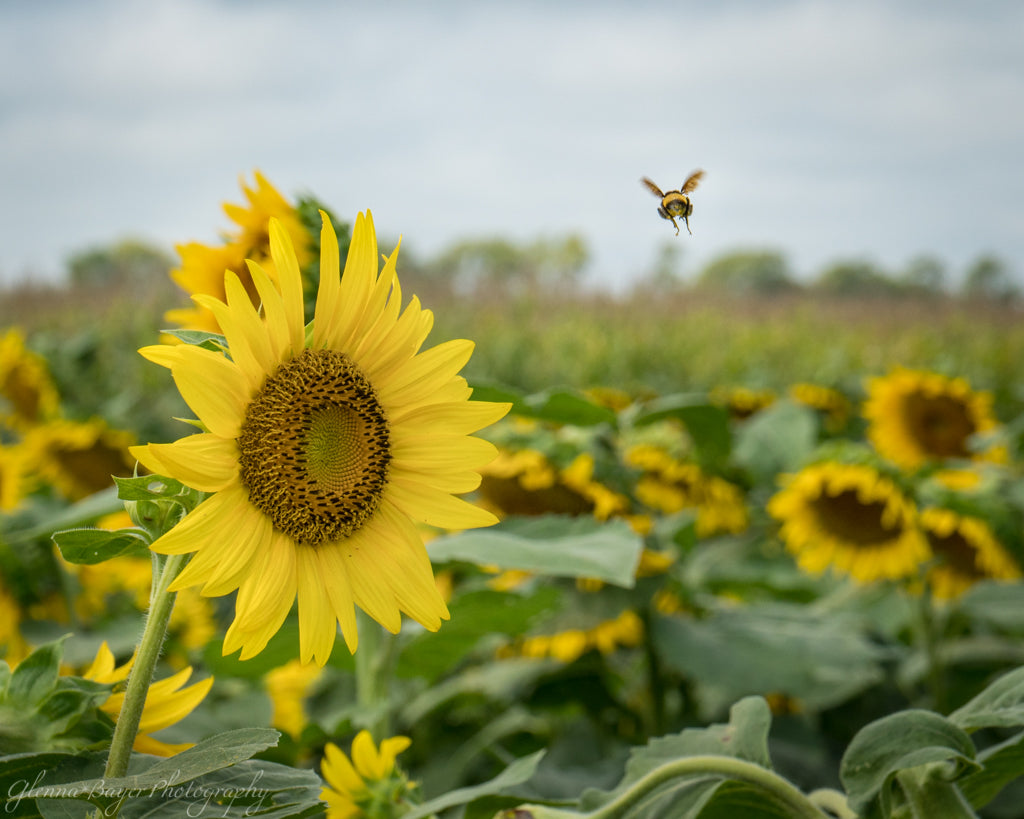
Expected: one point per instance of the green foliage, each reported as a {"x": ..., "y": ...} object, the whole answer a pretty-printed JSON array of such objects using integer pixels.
[{"x": 760, "y": 272}]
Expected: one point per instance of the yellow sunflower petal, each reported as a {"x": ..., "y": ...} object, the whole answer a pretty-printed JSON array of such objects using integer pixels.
[
  {"x": 327, "y": 305},
  {"x": 316, "y": 615},
  {"x": 208, "y": 525},
  {"x": 214, "y": 388},
  {"x": 283, "y": 253},
  {"x": 220, "y": 570},
  {"x": 204, "y": 461},
  {"x": 340, "y": 773},
  {"x": 278, "y": 334},
  {"x": 339, "y": 592},
  {"x": 435, "y": 508}
]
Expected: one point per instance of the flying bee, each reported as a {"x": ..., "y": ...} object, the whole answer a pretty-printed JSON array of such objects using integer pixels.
[{"x": 676, "y": 203}]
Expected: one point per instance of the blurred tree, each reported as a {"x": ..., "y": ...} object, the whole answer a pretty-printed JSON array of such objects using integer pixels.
[
  {"x": 855, "y": 278},
  {"x": 988, "y": 278},
  {"x": 665, "y": 275},
  {"x": 129, "y": 264},
  {"x": 923, "y": 275},
  {"x": 748, "y": 272}
]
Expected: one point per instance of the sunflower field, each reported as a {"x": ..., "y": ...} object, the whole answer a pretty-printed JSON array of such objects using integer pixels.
[{"x": 314, "y": 553}]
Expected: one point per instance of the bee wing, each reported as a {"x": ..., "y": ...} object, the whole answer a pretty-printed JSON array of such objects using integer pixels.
[
  {"x": 692, "y": 181},
  {"x": 652, "y": 187}
]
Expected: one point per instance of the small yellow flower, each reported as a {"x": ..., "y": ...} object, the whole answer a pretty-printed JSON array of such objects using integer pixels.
[
  {"x": 915, "y": 417},
  {"x": 369, "y": 785},
  {"x": 288, "y": 686},
  {"x": 166, "y": 703},
  {"x": 851, "y": 518}
]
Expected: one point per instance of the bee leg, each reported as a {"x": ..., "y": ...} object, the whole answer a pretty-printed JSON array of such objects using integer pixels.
[
  {"x": 687, "y": 220},
  {"x": 674, "y": 224}
]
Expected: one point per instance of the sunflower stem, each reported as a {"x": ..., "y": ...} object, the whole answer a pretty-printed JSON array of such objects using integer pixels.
[
  {"x": 689, "y": 768},
  {"x": 930, "y": 639},
  {"x": 146, "y": 656},
  {"x": 374, "y": 658}
]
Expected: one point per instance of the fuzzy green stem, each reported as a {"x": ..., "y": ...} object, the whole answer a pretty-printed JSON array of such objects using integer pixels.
[
  {"x": 832, "y": 801},
  {"x": 373, "y": 660},
  {"x": 931, "y": 638},
  {"x": 726, "y": 767},
  {"x": 141, "y": 675}
]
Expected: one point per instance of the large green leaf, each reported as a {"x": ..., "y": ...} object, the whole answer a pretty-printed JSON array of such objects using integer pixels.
[
  {"x": 777, "y": 439},
  {"x": 770, "y": 648},
  {"x": 35, "y": 676},
  {"x": 213, "y": 753},
  {"x": 900, "y": 742},
  {"x": 1000, "y": 705},
  {"x": 565, "y": 407},
  {"x": 554, "y": 545},
  {"x": 91, "y": 546},
  {"x": 1001, "y": 764},
  {"x": 515, "y": 774}
]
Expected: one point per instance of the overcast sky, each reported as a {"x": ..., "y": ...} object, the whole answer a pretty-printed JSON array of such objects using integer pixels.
[{"x": 877, "y": 129}]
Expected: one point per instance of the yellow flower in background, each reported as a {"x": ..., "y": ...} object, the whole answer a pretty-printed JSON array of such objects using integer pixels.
[
  {"x": 741, "y": 402},
  {"x": 525, "y": 482},
  {"x": 202, "y": 266},
  {"x": 78, "y": 458},
  {"x": 324, "y": 448},
  {"x": 369, "y": 784},
  {"x": 851, "y": 518},
  {"x": 288, "y": 686},
  {"x": 13, "y": 647},
  {"x": 835, "y": 406},
  {"x": 166, "y": 703},
  {"x": 915, "y": 417},
  {"x": 669, "y": 485},
  {"x": 568, "y": 645},
  {"x": 965, "y": 550},
  {"x": 14, "y": 481},
  {"x": 27, "y": 393}
]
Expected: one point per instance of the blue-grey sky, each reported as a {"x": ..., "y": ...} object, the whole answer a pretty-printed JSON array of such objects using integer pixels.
[{"x": 878, "y": 129}]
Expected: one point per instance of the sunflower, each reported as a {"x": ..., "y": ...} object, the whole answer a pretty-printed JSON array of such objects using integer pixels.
[
  {"x": 369, "y": 785},
  {"x": 525, "y": 482},
  {"x": 852, "y": 518},
  {"x": 78, "y": 458},
  {"x": 966, "y": 550},
  {"x": 166, "y": 703},
  {"x": 27, "y": 393},
  {"x": 669, "y": 485},
  {"x": 202, "y": 266},
  {"x": 741, "y": 402},
  {"x": 324, "y": 448},
  {"x": 568, "y": 645},
  {"x": 915, "y": 417}
]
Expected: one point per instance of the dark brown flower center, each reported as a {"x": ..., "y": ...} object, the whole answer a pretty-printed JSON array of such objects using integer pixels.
[
  {"x": 314, "y": 448},
  {"x": 941, "y": 424},
  {"x": 847, "y": 517}
]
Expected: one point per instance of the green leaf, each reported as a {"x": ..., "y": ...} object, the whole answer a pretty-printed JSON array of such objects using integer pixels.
[
  {"x": 199, "y": 338},
  {"x": 1001, "y": 765},
  {"x": 84, "y": 511},
  {"x": 899, "y": 742},
  {"x": 211, "y": 754},
  {"x": 35, "y": 676},
  {"x": 777, "y": 439},
  {"x": 148, "y": 487},
  {"x": 707, "y": 424},
  {"x": 1001, "y": 604},
  {"x": 473, "y": 615},
  {"x": 515, "y": 774},
  {"x": 745, "y": 737},
  {"x": 565, "y": 407},
  {"x": 90, "y": 546},
  {"x": 1000, "y": 705},
  {"x": 770, "y": 648},
  {"x": 554, "y": 545}
]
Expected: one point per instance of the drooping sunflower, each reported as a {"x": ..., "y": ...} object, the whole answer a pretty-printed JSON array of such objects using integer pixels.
[
  {"x": 287, "y": 686},
  {"x": 851, "y": 518},
  {"x": 915, "y": 417},
  {"x": 669, "y": 485},
  {"x": 370, "y": 785},
  {"x": 166, "y": 703},
  {"x": 525, "y": 482},
  {"x": 28, "y": 395},
  {"x": 78, "y": 458},
  {"x": 202, "y": 266},
  {"x": 966, "y": 551},
  {"x": 324, "y": 446}
]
